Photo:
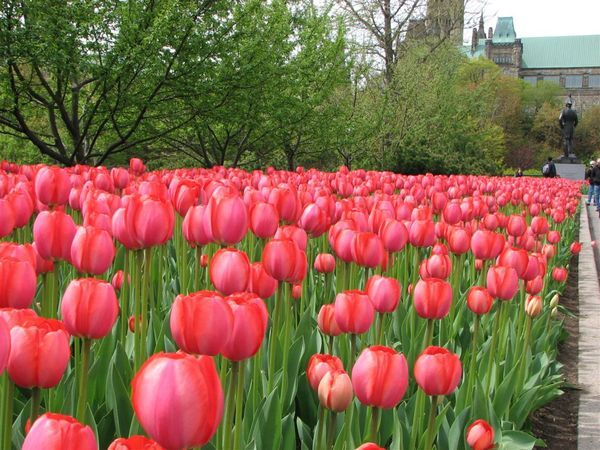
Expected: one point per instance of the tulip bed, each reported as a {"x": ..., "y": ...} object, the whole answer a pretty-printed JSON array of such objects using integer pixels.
[{"x": 277, "y": 310}]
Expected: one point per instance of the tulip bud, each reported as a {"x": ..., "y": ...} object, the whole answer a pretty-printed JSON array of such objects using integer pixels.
[
  {"x": 479, "y": 300},
  {"x": 432, "y": 298},
  {"x": 134, "y": 443},
  {"x": 383, "y": 292},
  {"x": 297, "y": 291},
  {"x": 335, "y": 391},
  {"x": 480, "y": 435},
  {"x": 369, "y": 446},
  {"x": 437, "y": 371},
  {"x": 324, "y": 263},
  {"x": 380, "y": 377},
  {"x": 17, "y": 283},
  {"x": 554, "y": 313},
  {"x": 190, "y": 390},
  {"x": 575, "y": 248},
  {"x": 319, "y": 365},
  {"x": 92, "y": 250},
  {"x": 250, "y": 319},
  {"x": 502, "y": 282},
  {"x": 559, "y": 274},
  {"x": 354, "y": 312},
  {"x": 533, "y": 305},
  {"x": 230, "y": 271},
  {"x": 554, "y": 301},
  {"x": 57, "y": 432},
  {"x": 326, "y": 321}
]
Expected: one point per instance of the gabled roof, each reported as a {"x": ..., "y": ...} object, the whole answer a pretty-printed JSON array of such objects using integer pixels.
[
  {"x": 505, "y": 31},
  {"x": 561, "y": 52}
]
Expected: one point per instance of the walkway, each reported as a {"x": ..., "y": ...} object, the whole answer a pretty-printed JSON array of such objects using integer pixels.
[{"x": 589, "y": 333}]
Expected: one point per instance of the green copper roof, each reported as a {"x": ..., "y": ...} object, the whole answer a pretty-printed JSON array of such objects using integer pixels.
[
  {"x": 479, "y": 51},
  {"x": 505, "y": 31},
  {"x": 561, "y": 52}
]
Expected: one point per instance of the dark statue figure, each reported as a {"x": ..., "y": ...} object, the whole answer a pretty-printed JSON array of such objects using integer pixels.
[{"x": 568, "y": 121}]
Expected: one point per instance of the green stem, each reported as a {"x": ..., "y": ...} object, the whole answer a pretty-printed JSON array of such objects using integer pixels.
[
  {"x": 371, "y": 434},
  {"x": 36, "y": 398},
  {"x": 229, "y": 409},
  {"x": 137, "y": 310},
  {"x": 273, "y": 341},
  {"x": 431, "y": 425},
  {"x": 321, "y": 426},
  {"x": 492, "y": 351},
  {"x": 523, "y": 362},
  {"x": 238, "y": 366},
  {"x": 352, "y": 351},
  {"x": 416, "y": 423},
  {"x": 428, "y": 334},
  {"x": 472, "y": 362},
  {"x": 332, "y": 427},
  {"x": 379, "y": 327},
  {"x": 83, "y": 379},
  {"x": 9, "y": 392}
]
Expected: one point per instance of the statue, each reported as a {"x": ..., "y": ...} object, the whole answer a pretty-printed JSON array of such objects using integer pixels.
[{"x": 568, "y": 121}]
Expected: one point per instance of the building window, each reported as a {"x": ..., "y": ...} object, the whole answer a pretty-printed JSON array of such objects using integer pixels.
[
  {"x": 530, "y": 80},
  {"x": 504, "y": 59},
  {"x": 574, "y": 81},
  {"x": 552, "y": 79},
  {"x": 594, "y": 81}
]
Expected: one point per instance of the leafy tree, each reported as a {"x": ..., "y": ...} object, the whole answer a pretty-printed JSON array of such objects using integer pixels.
[
  {"x": 85, "y": 80},
  {"x": 587, "y": 135}
]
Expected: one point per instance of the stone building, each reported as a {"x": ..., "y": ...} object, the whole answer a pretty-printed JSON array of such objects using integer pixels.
[
  {"x": 572, "y": 62},
  {"x": 444, "y": 19}
]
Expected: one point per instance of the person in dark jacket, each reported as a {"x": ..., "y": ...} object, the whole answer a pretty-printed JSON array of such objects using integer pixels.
[
  {"x": 519, "y": 173},
  {"x": 549, "y": 169},
  {"x": 595, "y": 180},
  {"x": 588, "y": 178}
]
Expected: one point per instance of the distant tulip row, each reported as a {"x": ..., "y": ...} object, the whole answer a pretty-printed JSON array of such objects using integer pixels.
[{"x": 278, "y": 310}]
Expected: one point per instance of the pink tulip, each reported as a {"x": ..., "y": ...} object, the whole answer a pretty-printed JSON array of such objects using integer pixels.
[{"x": 230, "y": 271}]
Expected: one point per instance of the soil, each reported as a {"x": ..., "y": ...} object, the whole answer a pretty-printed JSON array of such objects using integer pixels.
[{"x": 556, "y": 423}]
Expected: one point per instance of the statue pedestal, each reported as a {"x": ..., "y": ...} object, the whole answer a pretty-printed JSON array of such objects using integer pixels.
[{"x": 570, "y": 168}]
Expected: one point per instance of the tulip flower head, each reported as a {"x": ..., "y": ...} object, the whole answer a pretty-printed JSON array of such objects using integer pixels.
[
  {"x": 437, "y": 371},
  {"x": 319, "y": 365},
  {"x": 58, "y": 432},
  {"x": 480, "y": 435},
  {"x": 335, "y": 391},
  {"x": 190, "y": 405}
]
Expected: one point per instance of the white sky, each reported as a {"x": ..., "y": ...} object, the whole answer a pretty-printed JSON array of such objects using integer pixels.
[{"x": 542, "y": 17}]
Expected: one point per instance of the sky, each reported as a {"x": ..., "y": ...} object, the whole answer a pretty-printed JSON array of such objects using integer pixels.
[{"x": 541, "y": 17}]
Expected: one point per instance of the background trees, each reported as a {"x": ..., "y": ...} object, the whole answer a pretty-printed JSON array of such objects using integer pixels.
[{"x": 252, "y": 83}]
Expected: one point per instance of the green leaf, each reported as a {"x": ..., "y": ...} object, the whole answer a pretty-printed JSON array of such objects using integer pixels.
[
  {"x": 267, "y": 433},
  {"x": 517, "y": 440}
]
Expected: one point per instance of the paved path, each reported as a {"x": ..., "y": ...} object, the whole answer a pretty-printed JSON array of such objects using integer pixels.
[{"x": 589, "y": 333}]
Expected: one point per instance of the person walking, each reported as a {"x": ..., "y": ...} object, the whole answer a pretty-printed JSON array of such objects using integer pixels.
[
  {"x": 549, "y": 169},
  {"x": 595, "y": 179},
  {"x": 588, "y": 178}
]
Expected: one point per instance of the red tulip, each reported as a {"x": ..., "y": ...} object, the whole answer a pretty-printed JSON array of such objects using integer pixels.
[
  {"x": 326, "y": 321},
  {"x": 517, "y": 258},
  {"x": 134, "y": 443},
  {"x": 4, "y": 344},
  {"x": 296, "y": 234},
  {"x": 52, "y": 186},
  {"x": 7, "y": 224},
  {"x": 502, "y": 282},
  {"x": 92, "y": 250},
  {"x": 380, "y": 377},
  {"x": 22, "y": 207},
  {"x": 136, "y": 166},
  {"x": 535, "y": 286},
  {"x": 118, "y": 279},
  {"x": 17, "y": 283},
  {"x": 297, "y": 291},
  {"x": 201, "y": 322},
  {"x": 343, "y": 243},
  {"x": 335, "y": 391},
  {"x": 575, "y": 248},
  {"x": 422, "y": 233},
  {"x": 367, "y": 250},
  {"x": 354, "y": 312},
  {"x": 264, "y": 220},
  {"x": 39, "y": 353},
  {"x": 89, "y": 308},
  {"x": 153, "y": 221},
  {"x": 230, "y": 271},
  {"x": 120, "y": 177},
  {"x": 516, "y": 225},
  {"x": 437, "y": 371},
  {"x": 184, "y": 195},
  {"x": 370, "y": 446},
  {"x": 324, "y": 263},
  {"x": 480, "y": 435},
  {"x": 53, "y": 233},
  {"x": 313, "y": 220},
  {"x": 178, "y": 399},
  {"x": 250, "y": 319},
  {"x": 193, "y": 226},
  {"x": 553, "y": 237},
  {"x": 436, "y": 266},
  {"x": 486, "y": 244},
  {"x": 57, "y": 432},
  {"x": 432, "y": 298},
  {"x": 459, "y": 240},
  {"x": 227, "y": 218},
  {"x": 479, "y": 300},
  {"x": 559, "y": 274},
  {"x": 319, "y": 365},
  {"x": 13, "y": 316},
  {"x": 279, "y": 258},
  {"x": 393, "y": 234},
  {"x": 260, "y": 282},
  {"x": 384, "y": 293},
  {"x": 539, "y": 225}
]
